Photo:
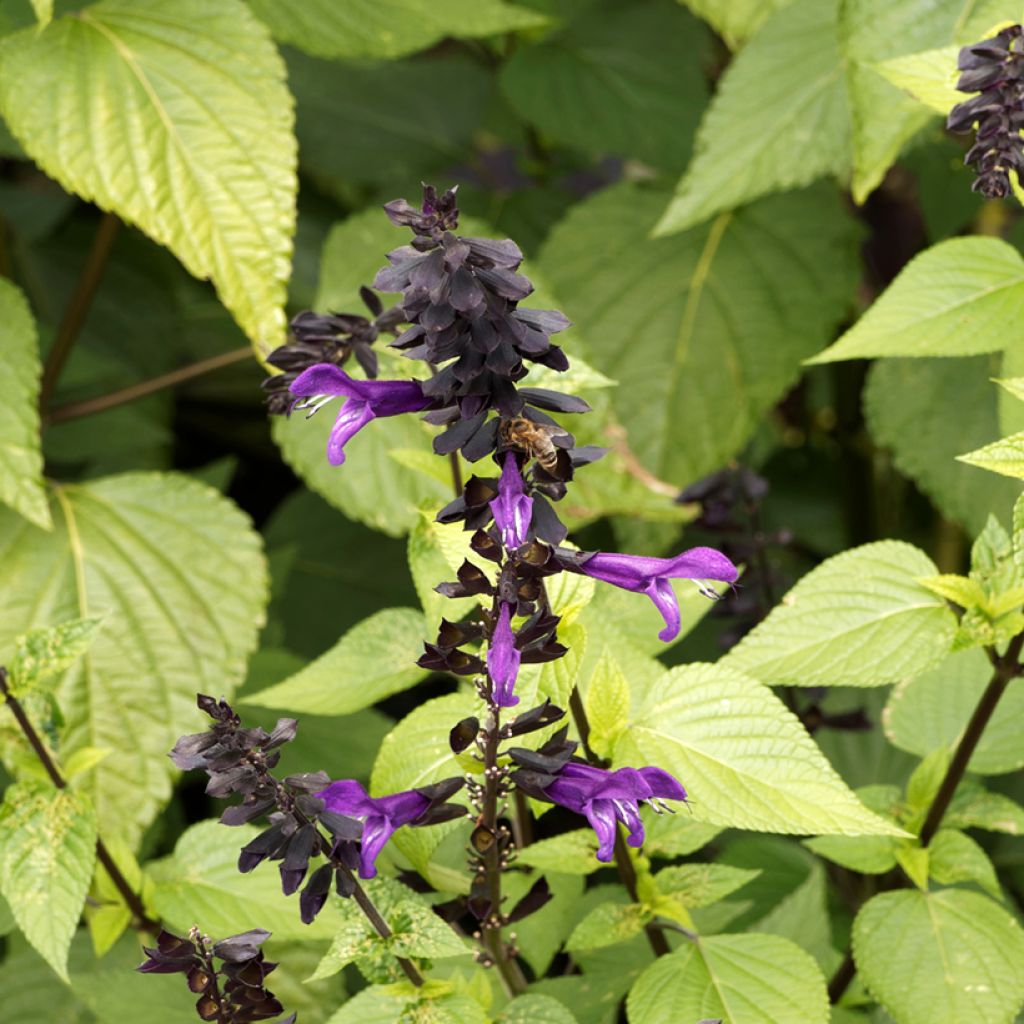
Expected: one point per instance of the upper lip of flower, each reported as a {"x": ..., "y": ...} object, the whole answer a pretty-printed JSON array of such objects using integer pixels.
[{"x": 503, "y": 660}]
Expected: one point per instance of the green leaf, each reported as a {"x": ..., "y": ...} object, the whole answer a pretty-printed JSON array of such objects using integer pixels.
[
  {"x": 44, "y": 11},
  {"x": 954, "y": 299},
  {"x": 47, "y": 852},
  {"x": 613, "y": 79},
  {"x": 178, "y": 573},
  {"x": 974, "y": 807},
  {"x": 106, "y": 913},
  {"x": 700, "y": 885},
  {"x": 416, "y": 753},
  {"x": 200, "y": 881},
  {"x": 371, "y": 661},
  {"x": 959, "y": 589},
  {"x": 785, "y": 94},
  {"x": 932, "y": 711},
  {"x": 571, "y": 853},
  {"x": 174, "y": 115},
  {"x": 392, "y": 121},
  {"x": 735, "y": 20},
  {"x": 44, "y": 653},
  {"x": 955, "y": 857},
  {"x": 436, "y": 551},
  {"x": 907, "y": 403},
  {"x": 745, "y": 759},
  {"x": 1005, "y": 456},
  {"x": 930, "y": 77},
  {"x": 608, "y": 924},
  {"x": 741, "y": 979},
  {"x": 669, "y": 303},
  {"x": 21, "y": 461},
  {"x": 861, "y": 618},
  {"x": 535, "y": 1009},
  {"x": 607, "y": 703},
  {"x": 941, "y": 957},
  {"x": 393, "y": 28},
  {"x": 870, "y": 855},
  {"x": 884, "y": 117}
]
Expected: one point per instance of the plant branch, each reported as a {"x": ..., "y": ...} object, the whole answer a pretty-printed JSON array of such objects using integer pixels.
[
  {"x": 380, "y": 926},
  {"x": 89, "y": 406},
  {"x": 1006, "y": 668},
  {"x": 131, "y": 898},
  {"x": 78, "y": 306},
  {"x": 623, "y": 861},
  {"x": 840, "y": 982}
]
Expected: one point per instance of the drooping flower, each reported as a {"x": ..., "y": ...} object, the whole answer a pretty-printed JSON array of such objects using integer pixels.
[
  {"x": 503, "y": 659},
  {"x": 605, "y": 797},
  {"x": 651, "y": 576},
  {"x": 995, "y": 67},
  {"x": 364, "y": 400},
  {"x": 382, "y": 815},
  {"x": 513, "y": 507}
]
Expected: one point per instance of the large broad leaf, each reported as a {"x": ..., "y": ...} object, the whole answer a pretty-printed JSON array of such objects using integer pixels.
[
  {"x": 735, "y": 20},
  {"x": 933, "y": 710},
  {"x": 1005, "y": 456},
  {"x": 174, "y": 115},
  {"x": 940, "y": 957},
  {"x": 744, "y": 758},
  {"x": 875, "y": 31},
  {"x": 620, "y": 79},
  {"x": 958, "y": 298},
  {"x": 536, "y": 1009},
  {"x": 21, "y": 461},
  {"x": 47, "y": 853},
  {"x": 907, "y": 403},
  {"x": 859, "y": 619},
  {"x": 738, "y": 979},
  {"x": 371, "y": 661},
  {"x": 387, "y": 122},
  {"x": 779, "y": 119},
  {"x": 386, "y": 28},
  {"x": 177, "y": 572},
  {"x": 694, "y": 364},
  {"x": 200, "y": 881}
]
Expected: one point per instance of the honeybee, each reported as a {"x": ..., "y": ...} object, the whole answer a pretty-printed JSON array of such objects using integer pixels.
[{"x": 535, "y": 439}]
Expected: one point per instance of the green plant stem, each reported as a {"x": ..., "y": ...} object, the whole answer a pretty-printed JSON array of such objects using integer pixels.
[
  {"x": 1006, "y": 668},
  {"x": 142, "y": 920},
  {"x": 380, "y": 926},
  {"x": 90, "y": 406},
  {"x": 78, "y": 306},
  {"x": 623, "y": 861},
  {"x": 490, "y": 928},
  {"x": 842, "y": 978}
]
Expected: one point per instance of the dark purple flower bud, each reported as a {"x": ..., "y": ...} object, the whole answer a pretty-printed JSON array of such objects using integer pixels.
[
  {"x": 463, "y": 733},
  {"x": 503, "y": 660},
  {"x": 513, "y": 507},
  {"x": 300, "y": 848},
  {"x": 380, "y": 816},
  {"x": 241, "y": 947},
  {"x": 365, "y": 400},
  {"x": 314, "y": 895},
  {"x": 650, "y": 576},
  {"x": 606, "y": 797}
]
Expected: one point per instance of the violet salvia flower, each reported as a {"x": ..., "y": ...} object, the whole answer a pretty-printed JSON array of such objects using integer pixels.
[
  {"x": 650, "y": 576},
  {"x": 995, "y": 67},
  {"x": 364, "y": 400},
  {"x": 513, "y": 507},
  {"x": 605, "y": 797},
  {"x": 381, "y": 816},
  {"x": 503, "y": 660}
]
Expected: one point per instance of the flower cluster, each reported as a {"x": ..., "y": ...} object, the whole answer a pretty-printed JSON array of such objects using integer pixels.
[
  {"x": 235, "y": 992},
  {"x": 308, "y": 815},
  {"x": 993, "y": 68}
]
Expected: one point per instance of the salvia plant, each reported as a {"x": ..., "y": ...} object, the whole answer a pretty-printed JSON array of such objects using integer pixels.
[{"x": 619, "y": 624}]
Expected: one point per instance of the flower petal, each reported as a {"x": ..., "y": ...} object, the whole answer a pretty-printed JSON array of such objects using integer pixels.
[
  {"x": 662, "y": 784},
  {"x": 701, "y": 564},
  {"x": 401, "y": 808},
  {"x": 376, "y": 832},
  {"x": 326, "y": 379},
  {"x": 347, "y": 796},
  {"x": 664, "y": 597},
  {"x": 503, "y": 660},
  {"x": 601, "y": 815},
  {"x": 352, "y": 417}
]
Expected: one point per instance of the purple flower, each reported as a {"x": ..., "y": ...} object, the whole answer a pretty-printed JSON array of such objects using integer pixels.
[
  {"x": 503, "y": 660},
  {"x": 380, "y": 816},
  {"x": 651, "y": 576},
  {"x": 605, "y": 797},
  {"x": 366, "y": 400},
  {"x": 513, "y": 507}
]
